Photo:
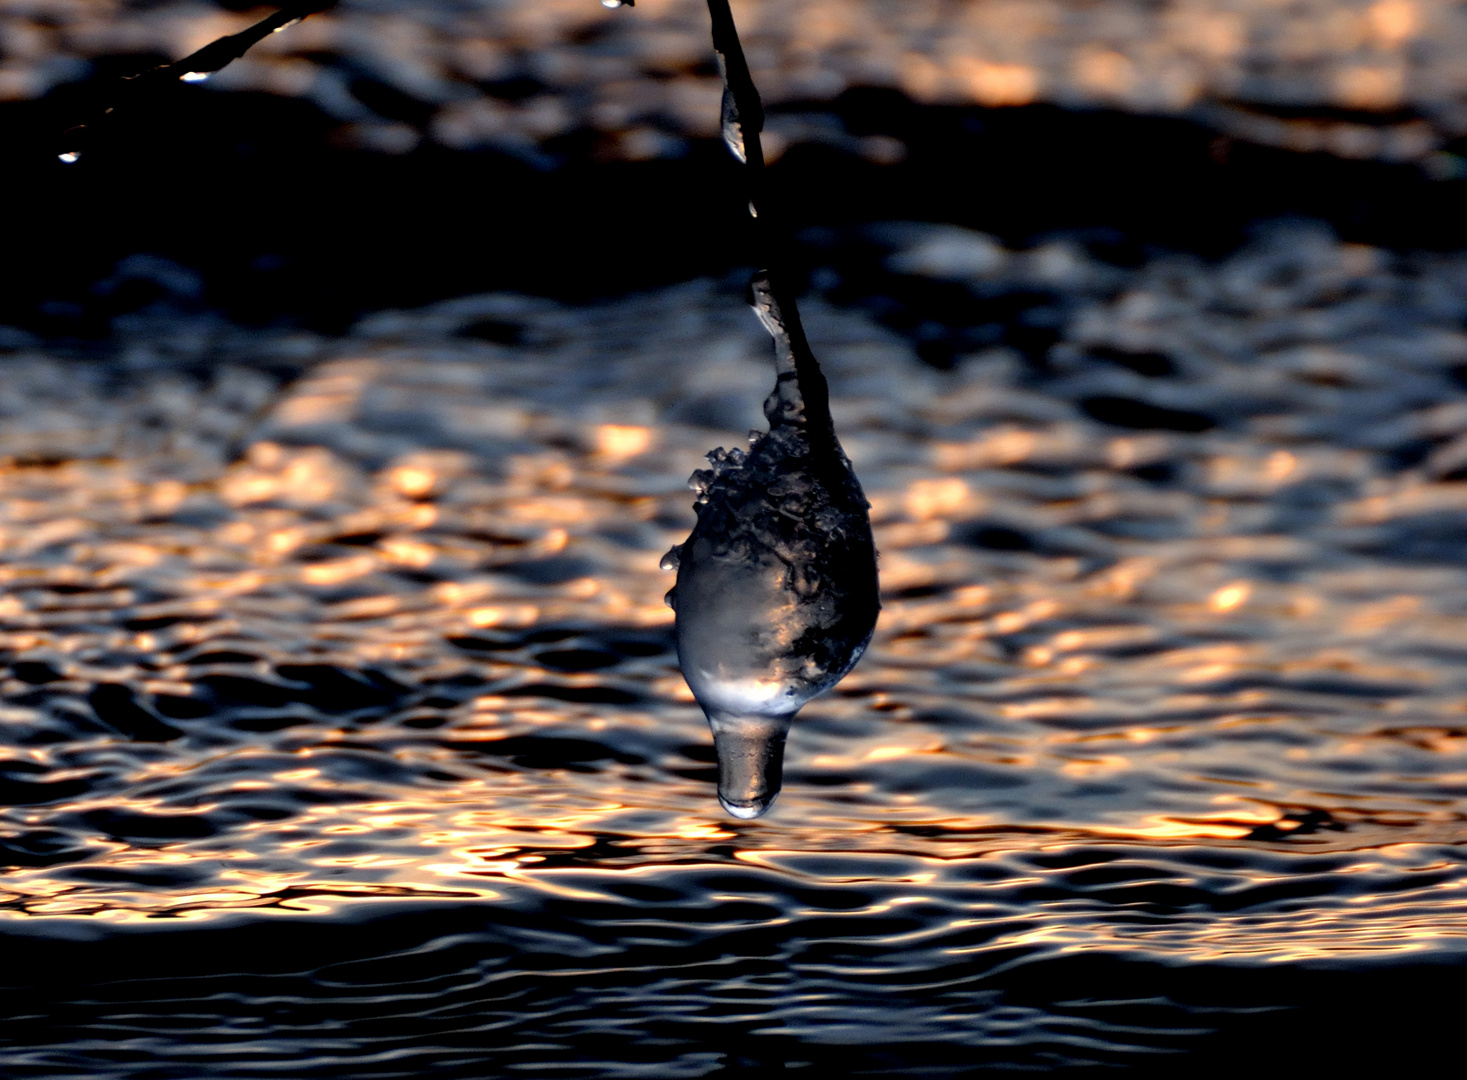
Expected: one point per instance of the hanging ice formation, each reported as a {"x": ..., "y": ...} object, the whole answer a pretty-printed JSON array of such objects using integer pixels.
[{"x": 776, "y": 592}]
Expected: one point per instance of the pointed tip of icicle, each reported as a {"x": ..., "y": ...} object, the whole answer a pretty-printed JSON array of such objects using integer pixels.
[{"x": 750, "y": 750}]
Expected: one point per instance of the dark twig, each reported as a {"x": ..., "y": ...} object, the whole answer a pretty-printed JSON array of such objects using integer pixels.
[
  {"x": 743, "y": 112},
  {"x": 743, "y": 121},
  {"x": 197, "y": 65}
]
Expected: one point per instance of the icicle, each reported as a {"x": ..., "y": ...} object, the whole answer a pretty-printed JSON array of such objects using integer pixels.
[{"x": 776, "y": 594}]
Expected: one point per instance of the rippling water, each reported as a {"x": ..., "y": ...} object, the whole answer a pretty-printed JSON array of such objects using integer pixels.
[{"x": 343, "y": 732}]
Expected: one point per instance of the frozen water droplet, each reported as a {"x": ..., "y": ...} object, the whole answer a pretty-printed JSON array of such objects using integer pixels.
[
  {"x": 672, "y": 558},
  {"x": 195, "y": 76},
  {"x": 750, "y": 762},
  {"x": 670, "y": 598},
  {"x": 755, "y": 436},
  {"x": 753, "y": 210},
  {"x": 71, "y": 157},
  {"x": 284, "y": 26},
  {"x": 776, "y": 586},
  {"x": 617, "y": 3},
  {"x": 700, "y": 480}
]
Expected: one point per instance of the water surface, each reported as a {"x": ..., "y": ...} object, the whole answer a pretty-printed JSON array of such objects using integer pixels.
[{"x": 343, "y": 732}]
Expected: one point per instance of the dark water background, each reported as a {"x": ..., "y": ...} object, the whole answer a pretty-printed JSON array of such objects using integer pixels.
[{"x": 343, "y": 735}]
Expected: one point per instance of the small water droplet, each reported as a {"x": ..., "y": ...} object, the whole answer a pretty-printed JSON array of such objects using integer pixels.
[
  {"x": 617, "y": 3},
  {"x": 71, "y": 157},
  {"x": 671, "y": 598},
  {"x": 753, "y": 210},
  {"x": 284, "y": 26},
  {"x": 672, "y": 559},
  {"x": 195, "y": 76}
]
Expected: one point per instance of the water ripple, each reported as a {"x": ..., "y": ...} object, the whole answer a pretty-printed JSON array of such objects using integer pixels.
[{"x": 382, "y": 657}]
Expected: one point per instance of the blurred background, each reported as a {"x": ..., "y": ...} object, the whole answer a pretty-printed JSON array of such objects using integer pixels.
[{"x": 398, "y": 152}]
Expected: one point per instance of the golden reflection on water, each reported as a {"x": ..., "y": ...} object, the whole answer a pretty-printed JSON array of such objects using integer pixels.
[{"x": 1167, "y": 674}]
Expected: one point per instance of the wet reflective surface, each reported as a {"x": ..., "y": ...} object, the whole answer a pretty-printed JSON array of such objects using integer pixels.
[{"x": 365, "y": 752}]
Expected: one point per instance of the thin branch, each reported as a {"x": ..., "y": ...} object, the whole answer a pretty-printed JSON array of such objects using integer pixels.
[
  {"x": 195, "y": 66},
  {"x": 743, "y": 112},
  {"x": 770, "y": 291}
]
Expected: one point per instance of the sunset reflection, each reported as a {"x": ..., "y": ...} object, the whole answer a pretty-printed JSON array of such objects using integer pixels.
[{"x": 411, "y": 644}]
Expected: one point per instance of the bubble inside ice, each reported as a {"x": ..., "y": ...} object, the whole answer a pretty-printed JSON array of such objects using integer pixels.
[{"x": 776, "y": 593}]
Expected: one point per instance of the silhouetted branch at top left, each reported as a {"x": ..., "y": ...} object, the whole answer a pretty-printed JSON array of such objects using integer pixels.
[{"x": 192, "y": 68}]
